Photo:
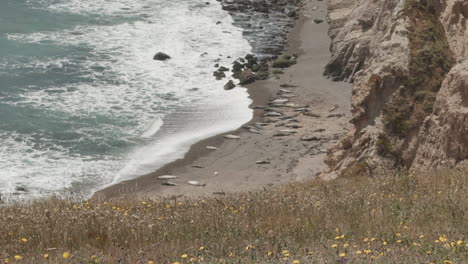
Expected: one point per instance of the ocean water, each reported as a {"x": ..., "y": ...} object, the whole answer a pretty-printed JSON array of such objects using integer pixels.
[{"x": 82, "y": 102}]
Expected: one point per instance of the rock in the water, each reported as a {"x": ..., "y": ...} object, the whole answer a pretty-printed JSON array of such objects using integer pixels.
[
  {"x": 196, "y": 183},
  {"x": 231, "y": 136},
  {"x": 168, "y": 183},
  {"x": 167, "y": 177},
  {"x": 229, "y": 85},
  {"x": 211, "y": 148},
  {"x": 161, "y": 56}
]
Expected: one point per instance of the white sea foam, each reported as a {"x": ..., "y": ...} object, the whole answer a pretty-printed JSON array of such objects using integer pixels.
[{"x": 130, "y": 87}]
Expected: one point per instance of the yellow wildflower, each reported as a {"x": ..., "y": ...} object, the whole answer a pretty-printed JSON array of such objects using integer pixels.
[
  {"x": 366, "y": 239},
  {"x": 447, "y": 261},
  {"x": 459, "y": 242},
  {"x": 46, "y": 255},
  {"x": 150, "y": 262},
  {"x": 177, "y": 262},
  {"x": 359, "y": 252},
  {"x": 398, "y": 234},
  {"x": 334, "y": 246},
  {"x": 184, "y": 256},
  {"x": 168, "y": 206},
  {"x": 384, "y": 243},
  {"x": 428, "y": 252},
  {"x": 442, "y": 239},
  {"x": 66, "y": 255},
  {"x": 421, "y": 236},
  {"x": 337, "y": 237},
  {"x": 398, "y": 241},
  {"x": 296, "y": 262},
  {"x": 269, "y": 253},
  {"x": 202, "y": 248},
  {"x": 342, "y": 236},
  {"x": 18, "y": 257},
  {"x": 342, "y": 254},
  {"x": 345, "y": 245}
]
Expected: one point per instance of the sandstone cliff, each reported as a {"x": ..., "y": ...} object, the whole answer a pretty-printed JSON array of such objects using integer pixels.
[{"x": 407, "y": 62}]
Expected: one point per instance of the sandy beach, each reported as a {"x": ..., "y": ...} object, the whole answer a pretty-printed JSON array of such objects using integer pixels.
[{"x": 279, "y": 149}]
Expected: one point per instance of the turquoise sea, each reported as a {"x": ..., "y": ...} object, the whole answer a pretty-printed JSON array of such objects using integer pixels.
[{"x": 82, "y": 102}]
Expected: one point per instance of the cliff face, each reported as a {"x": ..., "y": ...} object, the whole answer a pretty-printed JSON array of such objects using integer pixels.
[{"x": 407, "y": 62}]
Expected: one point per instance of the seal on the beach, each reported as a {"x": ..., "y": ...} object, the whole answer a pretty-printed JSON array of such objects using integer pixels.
[
  {"x": 272, "y": 114},
  {"x": 167, "y": 177},
  {"x": 231, "y": 136},
  {"x": 196, "y": 183},
  {"x": 211, "y": 148},
  {"x": 168, "y": 183}
]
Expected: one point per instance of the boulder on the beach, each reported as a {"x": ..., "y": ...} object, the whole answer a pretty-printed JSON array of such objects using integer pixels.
[
  {"x": 318, "y": 21},
  {"x": 161, "y": 56},
  {"x": 219, "y": 75},
  {"x": 229, "y": 85},
  {"x": 168, "y": 183},
  {"x": 246, "y": 77}
]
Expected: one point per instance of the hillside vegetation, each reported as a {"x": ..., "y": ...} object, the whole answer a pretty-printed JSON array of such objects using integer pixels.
[{"x": 410, "y": 218}]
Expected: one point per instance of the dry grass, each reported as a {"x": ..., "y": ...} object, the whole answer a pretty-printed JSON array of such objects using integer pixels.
[{"x": 387, "y": 219}]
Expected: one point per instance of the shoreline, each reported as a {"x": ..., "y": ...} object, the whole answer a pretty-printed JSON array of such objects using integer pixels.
[{"x": 233, "y": 166}]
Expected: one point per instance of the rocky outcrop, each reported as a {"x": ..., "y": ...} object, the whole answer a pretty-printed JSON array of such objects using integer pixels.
[
  {"x": 444, "y": 135},
  {"x": 265, "y": 23},
  {"x": 398, "y": 54}
]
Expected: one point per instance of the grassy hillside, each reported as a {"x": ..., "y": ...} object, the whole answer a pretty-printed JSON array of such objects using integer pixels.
[{"x": 387, "y": 219}]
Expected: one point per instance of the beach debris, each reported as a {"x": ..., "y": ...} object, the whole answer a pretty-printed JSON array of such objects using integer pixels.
[
  {"x": 196, "y": 183},
  {"x": 333, "y": 108},
  {"x": 262, "y": 162},
  {"x": 160, "y": 56},
  {"x": 168, "y": 183},
  {"x": 279, "y": 101},
  {"x": 312, "y": 138},
  {"x": 272, "y": 114},
  {"x": 167, "y": 177},
  {"x": 229, "y": 85},
  {"x": 229, "y": 136},
  {"x": 197, "y": 166},
  {"x": 211, "y": 148}
]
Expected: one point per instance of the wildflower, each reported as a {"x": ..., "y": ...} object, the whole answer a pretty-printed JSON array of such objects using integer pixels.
[
  {"x": 192, "y": 259},
  {"x": 342, "y": 236},
  {"x": 372, "y": 239},
  {"x": 366, "y": 239},
  {"x": 453, "y": 244},
  {"x": 398, "y": 234},
  {"x": 248, "y": 247},
  {"x": 459, "y": 242},
  {"x": 7, "y": 260},
  {"x": 66, "y": 255},
  {"x": 334, "y": 246},
  {"x": 309, "y": 253},
  {"x": 342, "y": 254},
  {"x": 345, "y": 245},
  {"x": 202, "y": 248},
  {"x": 372, "y": 257},
  {"x": 421, "y": 236},
  {"x": 46, "y": 255},
  {"x": 442, "y": 239},
  {"x": 337, "y": 230},
  {"x": 150, "y": 262},
  {"x": 176, "y": 262},
  {"x": 447, "y": 261},
  {"x": 296, "y": 262},
  {"x": 337, "y": 237},
  {"x": 168, "y": 206},
  {"x": 415, "y": 244},
  {"x": 359, "y": 252},
  {"x": 270, "y": 253},
  {"x": 436, "y": 241},
  {"x": 389, "y": 249},
  {"x": 398, "y": 241},
  {"x": 428, "y": 252},
  {"x": 184, "y": 256},
  {"x": 24, "y": 240},
  {"x": 381, "y": 254},
  {"x": 384, "y": 243},
  {"x": 367, "y": 251},
  {"x": 285, "y": 251},
  {"x": 18, "y": 257}
]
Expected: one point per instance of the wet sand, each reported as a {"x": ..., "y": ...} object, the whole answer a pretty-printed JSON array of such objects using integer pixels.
[{"x": 292, "y": 145}]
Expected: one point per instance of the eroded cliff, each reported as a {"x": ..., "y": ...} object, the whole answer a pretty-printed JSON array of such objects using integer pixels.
[{"x": 407, "y": 62}]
